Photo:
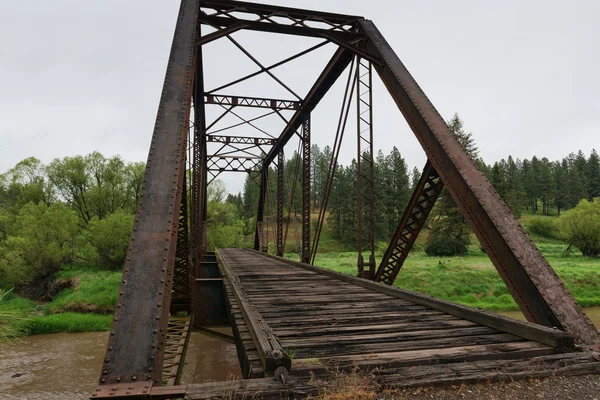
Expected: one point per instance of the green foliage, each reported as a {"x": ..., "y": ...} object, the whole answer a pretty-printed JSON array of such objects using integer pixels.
[
  {"x": 224, "y": 226},
  {"x": 37, "y": 242},
  {"x": 15, "y": 315},
  {"x": 581, "y": 227},
  {"x": 95, "y": 291},
  {"x": 109, "y": 238},
  {"x": 95, "y": 186},
  {"x": 443, "y": 243},
  {"x": 545, "y": 227}
]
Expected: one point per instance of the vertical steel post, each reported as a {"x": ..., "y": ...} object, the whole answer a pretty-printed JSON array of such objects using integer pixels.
[
  {"x": 198, "y": 223},
  {"x": 181, "y": 300},
  {"x": 365, "y": 178},
  {"x": 305, "y": 255},
  {"x": 259, "y": 238},
  {"x": 280, "y": 178}
]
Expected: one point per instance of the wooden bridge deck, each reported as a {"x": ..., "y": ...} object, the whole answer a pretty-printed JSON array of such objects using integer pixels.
[{"x": 325, "y": 321}]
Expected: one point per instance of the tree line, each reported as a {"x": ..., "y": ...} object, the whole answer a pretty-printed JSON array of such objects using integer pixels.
[
  {"x": 81, "y": 209},
  {"x": 537, "y": 185}
]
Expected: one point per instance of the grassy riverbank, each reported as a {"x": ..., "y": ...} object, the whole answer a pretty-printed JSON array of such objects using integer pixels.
[{"x": 85, "y": 307}]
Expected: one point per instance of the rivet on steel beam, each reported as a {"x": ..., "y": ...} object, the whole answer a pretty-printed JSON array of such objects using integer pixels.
[
  {"x": 113, "y": 333},
  {"x": 134, "y": 377}
]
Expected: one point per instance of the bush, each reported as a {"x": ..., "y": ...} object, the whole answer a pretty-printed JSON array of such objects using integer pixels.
[
  {"x": 444, "y": 246},
  {"x": 109, "y": 238},
  {"x": 544, "y": 227},
  {"x": 580, "y": 227},
  {"x": 38, "y": 241}
]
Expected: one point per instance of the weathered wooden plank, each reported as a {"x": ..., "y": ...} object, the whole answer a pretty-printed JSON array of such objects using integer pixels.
[
  {"x": 417, "y": 344},
  {"x": 490, "y": 370},
  {"x": 555, "y": 338},
  {"x": 269, "y": 348},
  {"x": 316, "y": 342},
  {"x": 336, "y": 331},
  {"x": 502, "y": 351}
]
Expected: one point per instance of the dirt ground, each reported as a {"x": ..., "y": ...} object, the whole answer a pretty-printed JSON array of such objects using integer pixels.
[{"x": 585, "y": 387}]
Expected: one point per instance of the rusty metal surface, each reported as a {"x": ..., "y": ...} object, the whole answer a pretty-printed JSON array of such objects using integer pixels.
[
  {"x": 136, "y": 341},
  {"x": 335, "y": 67},
  {"x": 125, "y": 391},
  {"x": 540, "y": 293},
  {"x": 305, "y": 140},
  {"x": 259, "y": 238},
  {"x": 415, "y": 215},
  {"x": 285, "y": 20},
  {"x": 365, "y": 170},
  {"x": 199, "y": 166},
  {"x": 279, "y": 217},
  {"x": 178, "y": 335},
  {"x": 241, "y": 101},
  {"x": 181, "y": 298}
]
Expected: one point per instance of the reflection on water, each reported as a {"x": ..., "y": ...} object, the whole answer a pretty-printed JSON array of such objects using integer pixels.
[
  {"x": 592, "y": 312},
  {"x": 67, "y": 365}
]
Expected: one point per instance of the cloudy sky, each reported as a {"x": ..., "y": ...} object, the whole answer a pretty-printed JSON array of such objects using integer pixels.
[{"x": 78, "y": 76}]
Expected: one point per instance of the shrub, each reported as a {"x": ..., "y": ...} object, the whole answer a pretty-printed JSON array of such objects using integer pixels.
[
  {"x": 39, "y": 240},
  {"x": 109, "y": 238},
  {"x": 544, "y": 227},
  {"x": 442, "y": 246},
  {"x": 580, "y": 227}
]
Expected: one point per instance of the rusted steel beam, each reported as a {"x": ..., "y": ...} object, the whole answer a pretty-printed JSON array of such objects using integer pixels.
[
  {"x": 136, "y": 345},
  {"x": 259, "y": 238},
  {"x": 541, "y": 295},
  {"x": 240, "y": 101},
  {"x": 258, "y": 141},
  {"x": 365, "y": 175},
  {"x": 200, "y": 167},
  {"x": 181, "y": 300},
  {"x": 298, "y": 30},
  {"x": 415, "y": 215},
  {"x": 305, "y": 255},
  {"x": 340, "y": 22},
  {"x": 178, "y": 335},
  {"x": 233, "y": 163},
  {"x": 280, "y": 182},
  {"x": 338, "y": 63}
]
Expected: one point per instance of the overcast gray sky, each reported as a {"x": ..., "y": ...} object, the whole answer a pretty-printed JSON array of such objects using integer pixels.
[{"x": 78, "y": 76}]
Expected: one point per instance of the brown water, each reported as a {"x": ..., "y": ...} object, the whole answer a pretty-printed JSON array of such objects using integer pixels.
[
  {"x": 67, "y": 365},
  {"x": 592, "y": 312}
]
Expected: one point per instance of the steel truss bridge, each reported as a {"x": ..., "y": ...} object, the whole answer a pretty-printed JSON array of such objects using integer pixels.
[{"x": 172, "y": 283}]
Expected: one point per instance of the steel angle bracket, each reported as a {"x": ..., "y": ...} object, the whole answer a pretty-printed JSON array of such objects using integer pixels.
[{"x": 130, "y": 390}]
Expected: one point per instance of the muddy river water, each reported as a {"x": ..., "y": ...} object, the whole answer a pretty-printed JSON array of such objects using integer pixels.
[{"x": 66, "y": 365}]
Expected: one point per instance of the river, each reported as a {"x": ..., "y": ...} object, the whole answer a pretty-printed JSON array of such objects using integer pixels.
[{"x": 66, "y": 365}]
